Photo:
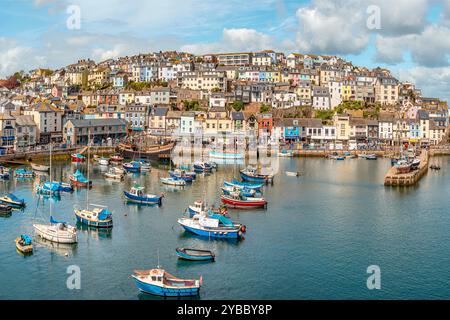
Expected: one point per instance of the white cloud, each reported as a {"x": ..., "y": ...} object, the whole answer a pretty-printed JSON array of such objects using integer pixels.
[
  {"x": 14, "y": 57},
  {"x": 434, "y": 82},
  {"x": 340, "y": 26},
  {"x": 430, "y": 48}
]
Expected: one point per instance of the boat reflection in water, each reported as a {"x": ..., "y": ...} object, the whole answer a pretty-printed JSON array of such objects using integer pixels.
[
  {"x": 94, "y": 232},
  {"x": 61, "y": 249}
]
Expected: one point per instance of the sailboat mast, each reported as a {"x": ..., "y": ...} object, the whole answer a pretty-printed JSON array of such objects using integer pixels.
[{"x": 88, "y": 160}]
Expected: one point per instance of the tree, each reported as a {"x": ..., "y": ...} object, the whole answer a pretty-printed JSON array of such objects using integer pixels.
[
  {"x": 238, "y": 106},
  {"x": 264, "y": 108}
]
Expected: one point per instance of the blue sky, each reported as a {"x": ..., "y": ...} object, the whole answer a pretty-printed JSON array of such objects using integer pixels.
[{"x": 413, "y": 39}]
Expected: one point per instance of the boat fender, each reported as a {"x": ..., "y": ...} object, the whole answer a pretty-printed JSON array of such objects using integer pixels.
[
  {"x": 243, "y": 229},
  {"x": 240, "y": 233}
]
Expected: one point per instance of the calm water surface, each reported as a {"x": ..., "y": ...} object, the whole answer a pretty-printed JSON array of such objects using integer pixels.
[{"x": 316, "y": 239}]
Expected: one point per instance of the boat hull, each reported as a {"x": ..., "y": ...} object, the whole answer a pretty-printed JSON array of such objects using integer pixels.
[
  {"x": 80, "y": 183},
  {"x": 242, "y": 204},
  {"x": 181, "y": 177},
  {"x": 165, "y": 292},
  {"x": 143, "y": 200},
  {"x": 76, "y": 159},
  {"x": 153, "y": 153},
  {"x": 40, "y": 167},
  {"x": 95, "y": 224},
  {"x": 43, "y": 233},
  {"x": 217, "y": 233},
  {"x": 227, "y": 156},
  {"x": 255, "y": 179},
  {"x": 184, "y": 256},
  {"x": 23, "y": 248}
]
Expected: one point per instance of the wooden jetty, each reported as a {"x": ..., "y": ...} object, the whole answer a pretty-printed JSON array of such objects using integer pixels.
[{"x": 393, "y": 178}]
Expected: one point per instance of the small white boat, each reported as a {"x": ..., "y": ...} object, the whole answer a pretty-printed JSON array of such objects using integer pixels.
[
  {"x": 173, "y": 182},
  {"x": 286, "y": 153},
  {"x": 145, "y": 166},
  {"x": 118, "y": 170},
  {"x": 112, "y": 174},
  {"x": 103, "y": 161},
  {"x": 40, "y": 167},
  {"x": 57, "y": 231},
  {"x": 292, "y": 174}
]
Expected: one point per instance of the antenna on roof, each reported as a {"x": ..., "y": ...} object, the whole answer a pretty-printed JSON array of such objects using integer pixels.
[{"x": 158, "y": 266}]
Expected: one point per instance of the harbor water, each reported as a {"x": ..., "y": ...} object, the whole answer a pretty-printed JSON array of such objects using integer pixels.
[{"x": 316, "y": 239}]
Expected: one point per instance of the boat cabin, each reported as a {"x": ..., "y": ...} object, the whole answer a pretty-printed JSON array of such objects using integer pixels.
[{"x": 137, "y": 191}]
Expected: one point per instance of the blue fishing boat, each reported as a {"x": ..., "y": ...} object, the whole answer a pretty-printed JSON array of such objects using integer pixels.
[
  {"x": 136, "y": 194},
  {"x": 65, "y": 187},
  {"x": 79, "y": 180},
  {"x": 245, "y": 192},
  {"x": 181, "y": 175},
  {"x": 195, "y": 254},
  {"x": 13, "y": 201},
  {"x": 243, "y": 184},
  {"x": 159, "y": 282},
  {"x": 200, "y": 166},
  {"x": 133, "y": 166},
  {"x": 225, "y": 155},
  {"x": 251, "y": 175},
  {"x": 212, "y": 225},
  {"x": 99, "y": 217},
  {"x": 49, "y": 188}
]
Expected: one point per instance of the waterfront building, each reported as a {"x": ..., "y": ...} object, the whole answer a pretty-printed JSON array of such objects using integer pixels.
[
  {"x": 136, "y": 115},
  {"x": 173, "y": 122},
  {"x": 187, "y": 123},
  {"x": 342, "y": 124},
  {"x": 76, "y": 132},
  {"x": 48, "y": 119},
  {"x": 7, "y": 132},
  {"x": 157, "y": 120},
  {"x": 25, "y": 133}
]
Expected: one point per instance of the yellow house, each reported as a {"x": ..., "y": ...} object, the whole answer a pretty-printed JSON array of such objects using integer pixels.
[
  {"x": 346, "y": 92},
  {"x": 217, "y": 122},
  {"x": 342, "y": 124}
]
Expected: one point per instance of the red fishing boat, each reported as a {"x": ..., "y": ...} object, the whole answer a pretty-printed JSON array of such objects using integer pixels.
[
  {"x": 116, "y": 159},
  {"x": 239, "y": 201},
  {"x": 77, "y": 179},
  {"x": 76, "y": 157}
]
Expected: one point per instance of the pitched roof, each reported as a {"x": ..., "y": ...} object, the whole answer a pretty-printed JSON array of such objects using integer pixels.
[
  {"x": 160, "y": 111},
  {"x": 85, "y": 123},
  {"x": 25, "y": 120}
]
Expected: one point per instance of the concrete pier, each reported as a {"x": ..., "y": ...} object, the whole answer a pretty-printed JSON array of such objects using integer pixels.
[{"x": 393, "y": 178}]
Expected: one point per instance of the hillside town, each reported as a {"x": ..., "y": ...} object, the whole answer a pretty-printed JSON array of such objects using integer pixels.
[{"x": 310, "y": 101}]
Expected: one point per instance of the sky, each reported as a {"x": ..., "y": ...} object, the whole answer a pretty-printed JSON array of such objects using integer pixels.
[{"x": 410, "y": 37}]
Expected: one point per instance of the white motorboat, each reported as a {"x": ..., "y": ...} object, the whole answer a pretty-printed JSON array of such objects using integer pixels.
[
  {"x": 173, "y": 182},
  {"x": 103, "y": 161},
  {"x": 40, "y": 167}
]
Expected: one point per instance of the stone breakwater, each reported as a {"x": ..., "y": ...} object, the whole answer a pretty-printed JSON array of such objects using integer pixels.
[{"x": 393, "y": 178}]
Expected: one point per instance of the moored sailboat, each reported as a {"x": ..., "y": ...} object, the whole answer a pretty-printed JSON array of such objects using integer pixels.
[{"x": 57, "y": 231}]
